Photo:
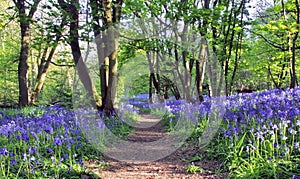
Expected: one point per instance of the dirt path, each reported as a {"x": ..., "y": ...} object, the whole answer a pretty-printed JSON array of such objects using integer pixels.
[{"x": 149, "y": 129}]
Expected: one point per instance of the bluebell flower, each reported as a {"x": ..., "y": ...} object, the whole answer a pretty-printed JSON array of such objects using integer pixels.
[
  {"x": 18, "y": 137},
  {"x": 69, "y": 146},
  {"x": 292, "y": 131},
  {"x": 57, "y": 141},
  {"x": 78, "y": 138},
  {"x": 275, "y": 127},
  {"x": 78, "y": 146},
  {"x": 52, "y": 159},
  {"x": 13, "y": 162},
  {"x": 49, "y": 150},
  {"x": 49, "y": 130},
  {"x": 284, "y": 138},
  {"x": 24, "y": 156},
  {"x": 25, "y": 137},
  {"x": 60, "y": 160},
  {"x": 3, "y": 151},
  {"x": 80, "y": 162},
  {"x": 247, "y": 149},
  {"x": 32, "y": 150},
  {"x": 33, "y": 134},
  {"x": 11, "y": 154},
  {"x": 296, "y": 145},
  {"x": 295, "y": 177},
  {"x": 298, "y": 123},
  {"x": 65, "y": 156},
  {"x": 32, "y": 158}
]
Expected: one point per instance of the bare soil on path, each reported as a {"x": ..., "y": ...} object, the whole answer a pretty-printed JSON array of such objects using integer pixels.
[{"x": 149, "y": 129}]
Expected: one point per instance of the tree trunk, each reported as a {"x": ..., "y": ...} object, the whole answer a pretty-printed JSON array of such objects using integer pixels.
[
  {"x": 238, "y": 47},
  {"x": 25, "y": 20},
  {"x": 23, "y": 65},
  {"x": 42, "y": 73},
  {"x": 150, "y": 89},
  {"x": 111, "y": 19},
  {"x": 186, "y": 65},
  {"x": 152, "y": 79},
  {"x": 45, "y": 63},
  {"x": 200, "y": 69},
  {"x": 293, "y": 76},
  {"x": 112, "y": 72},
  {"x": 83, "y": 73}
]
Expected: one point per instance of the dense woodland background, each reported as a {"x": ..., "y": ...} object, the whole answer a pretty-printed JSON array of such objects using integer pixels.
[{"x": 45, "y": 43}]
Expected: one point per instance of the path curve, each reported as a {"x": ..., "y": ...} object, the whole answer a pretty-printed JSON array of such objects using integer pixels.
[{"x": 150, "y": 129}]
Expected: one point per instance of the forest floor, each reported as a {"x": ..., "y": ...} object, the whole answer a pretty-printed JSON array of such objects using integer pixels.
[{"x": 173, "y": 166}]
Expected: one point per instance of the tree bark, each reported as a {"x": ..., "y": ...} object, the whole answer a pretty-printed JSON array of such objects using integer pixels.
[
  {"x": 23, "y": 65},
  {"x": 200, "y": 68},
  {"x": 100, "y": 38},
  {"x": 25, "y": 21},
  {"x": 72, "y": 12},
  {"x": 111, "y": 19},
  {"x": 293, "y": 76},
  {"x": 238, "y": 47},
  {"x": 44, "y": 65}
]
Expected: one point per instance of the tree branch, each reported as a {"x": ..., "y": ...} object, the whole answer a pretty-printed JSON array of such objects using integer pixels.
[
  {"x": 60, "y": 65},
  {"x": 273, "y": 44},
  {"x": 33, "y": 8}
]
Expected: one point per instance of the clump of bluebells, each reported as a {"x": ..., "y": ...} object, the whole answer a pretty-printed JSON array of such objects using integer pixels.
[
  {"x": 259, "y": 134},
  {"x": 46, "y": 145},
  {"x": 261, "y": 131},
  {"x": 53, "y": 142}
]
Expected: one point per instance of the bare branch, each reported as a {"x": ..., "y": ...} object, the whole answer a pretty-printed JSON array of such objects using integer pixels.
[{"x": 61, "y": 65}]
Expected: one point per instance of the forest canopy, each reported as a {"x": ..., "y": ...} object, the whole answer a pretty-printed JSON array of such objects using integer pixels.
[{"x": 163, "y": 48}]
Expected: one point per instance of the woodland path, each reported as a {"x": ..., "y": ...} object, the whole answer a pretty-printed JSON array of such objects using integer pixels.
[{"x": 172, "y": 166}]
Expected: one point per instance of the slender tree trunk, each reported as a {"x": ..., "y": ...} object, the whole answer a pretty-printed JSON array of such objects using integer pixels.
[
  {"x": 179, "y": 73},
  {"x": 231, "y": 40},
  {"x": 150, "y": 89},
  {"x": 44, "y": 65},
  {"x": 23, "y": 65},
  {"x": 152, "y": 78},
  {"x": 25, "y": 20},
  {"x": 200, "y": 68},
  {"x": 277, "y": 85},
  {"x": 84, "y": 76},
  {"x": 293, "y": 75},
  {"x": 236, "y": 62},
  {"x": 43, "y": 69},
  {"x": 238, "y": 47},
  {"x": 198, "y": 82}
]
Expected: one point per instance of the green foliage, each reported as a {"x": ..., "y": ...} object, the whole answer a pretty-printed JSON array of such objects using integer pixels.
[
  {"x": 140, "y": 85},
  {"x": 169, "y": 120},
  {"x": 133, "y": 83},
  {"x": 248, "y": 156},
  {"x": 118, "y": 127},
  {"x": 9, "y": 52},
  {"x": 57, "y": 90},
  {"x": 194, "y": 169},
  {"x": 272, "y": 44}
]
